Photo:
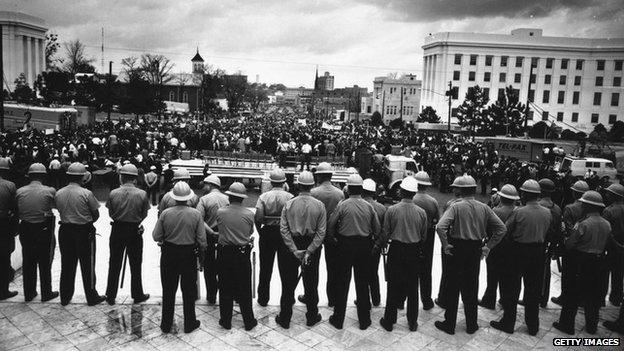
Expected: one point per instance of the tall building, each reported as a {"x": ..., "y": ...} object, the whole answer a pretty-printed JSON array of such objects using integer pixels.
[
  {"x": 324, "y": 82},
  {"x": 23, "y": 43},
  {"x": 575, "y": 82},
  {"x": 397, "y": 97}
]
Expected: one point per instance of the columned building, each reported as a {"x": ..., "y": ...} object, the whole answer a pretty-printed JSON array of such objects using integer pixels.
[
  {"x": 575, "y": 83},
  {"x": 23, "y": 42},
  {"x": 397, "y": 98}
]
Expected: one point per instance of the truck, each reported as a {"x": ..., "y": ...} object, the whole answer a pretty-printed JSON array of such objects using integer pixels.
[
  {"x": 530, "y": 150},
  {"x": 23, "y": 117}
]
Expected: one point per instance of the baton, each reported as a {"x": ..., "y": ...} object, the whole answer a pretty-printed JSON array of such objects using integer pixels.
[
  {"x": 559, "y": 264},
  {"x": 253, "y": 277},
  {"x": 123, "y": 270},
  {"x": 384, "y": 254},
  {"x": 546, "y": 274}
]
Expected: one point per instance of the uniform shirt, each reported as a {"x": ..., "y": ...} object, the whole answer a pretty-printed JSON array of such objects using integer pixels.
[
  {"x": 329, "y": 195},
  {"x": 180, "y": 225},
  {"x": 471, "y": 220},
  {"x": 35, "y": 202},
  {"x": 615, "y": 215},
  {"x": 167, "y": 201},
  {"x": 76, "y": 205},
  {"x": 209, "y": 204},
  {"x": 503, "y": 211},
  {"x": 128, "y": 204},
  {"x": 529, "y": 224},
  {"x": 379, "y": 209},
  {"x": 405, "y": 222},
  {"x": 236, "y": 225},
  {"x": 7, "y": 198},
  {"x": 430, "y": 205},
  {"x": 303, "y": 216},
  {"x": 572, "y": 214},
  {"x": 354, "y": 217},
  {"x": 269, "y": 206},
  {"x": 591, "y": 235},
  {"x": 555, "y": 217}
]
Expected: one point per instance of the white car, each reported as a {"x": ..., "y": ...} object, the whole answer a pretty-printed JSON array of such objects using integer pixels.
[{"x": 579, "y": 166}]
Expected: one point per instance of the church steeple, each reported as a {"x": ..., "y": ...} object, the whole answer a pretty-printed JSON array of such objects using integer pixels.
[{"x": 198, "y": 63}]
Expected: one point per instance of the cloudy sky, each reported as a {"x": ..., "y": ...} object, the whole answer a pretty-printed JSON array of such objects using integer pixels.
[{"x": 282, "y": 41}]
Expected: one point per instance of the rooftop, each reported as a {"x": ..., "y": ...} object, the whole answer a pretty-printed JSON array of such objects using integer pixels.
[{"x": 11, "y": 17}]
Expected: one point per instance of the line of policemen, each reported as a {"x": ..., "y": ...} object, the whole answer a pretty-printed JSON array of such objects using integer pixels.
[{"x": 353, "y": 230}]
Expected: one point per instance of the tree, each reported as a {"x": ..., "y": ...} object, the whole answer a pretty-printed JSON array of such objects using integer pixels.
[
  {"x": 256, "y": 94},
  {"x": 51, "y": 48},
  {"x": 139, "y": 97},
  {"x": 76, "y": 60},
  {"x": 599, "y": 135},
  {"x": 22, "y": 92},
  {"x": 617, "y": 131},
  {"x": 428, "y": 115},
  {"x": 376, "y": 119},
  {"x": 130, "y": 67},
  {"x": 277, "y": 87},
  {"x": 156, "y": 69},
  {"x": 508, "y": 113},
  {"x": 396, "y": 123},
  {"x": 471, "y": 114},
  {"x": 234, "y": 89},
  {"x": 539, "y": 129},
  {"x": 568, "y": 135},
  {"x": 54, "y": 87},
  {"x": 211, "y": 87}
]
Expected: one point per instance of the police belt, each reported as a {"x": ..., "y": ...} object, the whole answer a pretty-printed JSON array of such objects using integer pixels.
[
  {"x": 590, "y": 255},
  {"x": 268, "y": 219},
  {"x": 126, "y": 224},
  {"x": 243, "y": 249},
  {"x": 46, "y": 221},
  {"x": 185, "y": 246}
]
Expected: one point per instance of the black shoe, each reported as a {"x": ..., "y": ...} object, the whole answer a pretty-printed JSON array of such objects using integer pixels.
[
  {"x": 65, "y": 302},
  {"x": 401, "y": 306},
  {"x": 97, "y": 300},
  {"x": 192, "y": 327},
  {"x": 225, "y": 326},
  {"x": 488, "y": 305},
  {"x": 444, "y": 327},
  {"x": 428, "y": 304},
  {"x": 544, "y": 303},
  {"x": 263, "y": 303},
  {"x": 330, "y": 304},
  {"x": 521, "y": 302},
  {"x": 30, "y": 297},
  {"x": 614, "y": 326},
  {"x": 334, "y": 322},
  {"x": 562, "y": 328},
  {"x": 591, "y": 330},
  {"x": 8, "y": 295},
  {"x": 556, "y": 300},
  {"x": 533, "y": 332},
  {"x": 211, "y": 300},
  {"x": 365, "y": 325},
  {"x": 376, "y": 303},
  {"x": 498, "y": 325},
  {"x": 53, "y": 295},
  {"x": 439, "y": 303},
  {"x": 615, "y": 301},
  {"x": 165, "y": 330},
  {"x": 472, "y": 329},
  {"x": 281, "y": 322},
  {"x": 413, "y": 326},
  {"x": 110, "y": 301},
  {"x": 252, "y": 325},
  {"x": 312, "y": 321},
  {"x": 143, "y": 298},
  {"x": 301, "y": 298},
  {"x": 387, "y": 326}
]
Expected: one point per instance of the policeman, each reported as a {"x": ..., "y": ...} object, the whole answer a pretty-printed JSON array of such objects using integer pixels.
[
  {"x": 572, "y": 214},
  {"x": 430, "y": 205},
  {"x": 354, "y": 226},
  {"x": 330, "y": 196},
  {"x": 587, "y": 242},
  {"x": 369, "y": 192},
  {"x": 614, "y": 213},
  {"x": 507, "y": 199},
  {"x": 180, "y": 174},
  {"x": 523, "y": 257},
  {"x": 179, "y": 231},
  {"x": 35, "y": 202},
  {"x": 7, "y": 231},
  {"x": 406, "y": 226},
  {"x": 127, "y": 207},
  {"x": 471, "y": 221},
  {"x": 236, "y": 225},
  {"x": 208, "y": 206},
  {"x": 302, "y": 227},
  {"x": 78, "y": 209},
  {"x": 151, "y": 180},
  {"x": 553, "y": 237}
]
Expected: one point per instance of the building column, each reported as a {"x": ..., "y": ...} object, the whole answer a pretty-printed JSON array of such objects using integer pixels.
[
  {"x": 41, "y": 51},
  {"x": 37, "y": 57},
  {"x": 33, "y": 61}
]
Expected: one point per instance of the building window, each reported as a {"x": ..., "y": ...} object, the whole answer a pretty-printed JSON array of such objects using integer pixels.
[
  {"x": 488, "y": 60},
  {"x": 599, "y": 81},
  {"x": 501, "y": 94},
  {"x": 368, "y": 109},
  {"x": 455, "y": 75},
  {"x": 618, "y": 65},
  {"x": 617, "y": 81},
  {"x": 564, "y": 63},
  {"x": 577, "y": 80},
  {"x": 594, "y": 117},
  {"x": 600, "y": 65},
  {"x": 458, "y": 58},
  {"x": 547, "y": 79},
  {"x": 504, "y": 61},
  {"x": 534, "y": 61},
  {"x": 502, "y": 77},
  {"x": 471, "y": 76},
  {"x": 562, "y": 80},
  {"x": 531, "y": 95},
  {"x": 615, "y": 99},
  {"x": 185, "y": 96},
  {"x": 575, "y": 97},
  {"x": 574, "y": 117},
  {"x": 519, "y": 60},
  {"x": 473, "y": 60},
  {"x": 579, "y": 65},
  {"x": 546, "y": 96},
  {"x": 517, "y": 78},
  {"x": 549, "y": 62},
  {"x": 171, "y": 96},
  {"x": 486, "y": 93},
  {"x": 561, "y": 97},
  {"x": 487, "y": 76},
  {"x": 544, "y": 115},
  {"x": 612, "y": 119},
  {"x": 533, "y": 78},
  {"x": 559, "y": 116},
  {"x": 597, "y": 98}
]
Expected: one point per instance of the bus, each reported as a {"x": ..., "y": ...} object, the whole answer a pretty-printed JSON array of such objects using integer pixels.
[{"x": 23, "y": 117}]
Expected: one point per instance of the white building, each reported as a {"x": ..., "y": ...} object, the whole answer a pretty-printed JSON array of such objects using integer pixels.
[
  {"x": 397, "y": 98},
  {"x": 577, "y": 82},
  {"x": 23, "y": 43}
]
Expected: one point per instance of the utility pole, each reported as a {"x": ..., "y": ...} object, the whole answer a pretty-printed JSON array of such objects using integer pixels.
[
  {"x": 1, "y": 83},
  {"x": 450, "y": 97},
  {"x": 383, "y": 103},
  {"x": 110, "y": 89},
  {"x": 528, "y": 108}
]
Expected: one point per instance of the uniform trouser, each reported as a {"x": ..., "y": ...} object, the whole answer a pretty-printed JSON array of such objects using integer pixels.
[
  {"x": 77, "y": 243},
  {"x": 178, "y": 264},
  {"x": 152, "y": 193},
  {"x": 305, "y": 160},
  {"x": 331, "y": 260},
  {"x": 463, "y": 277},
  {"x": 125, "y": 237},
  {"x": 427, "y": 263},
  {"x": 615, "y": 264},
  {"x": 234, "y": 268},
  {"x": 568, "y": 274},
  {"x": 373, "y": 278},
  {"x": 586, "y": 289},
  {"x": 270, "y": 242},
  {"x": 525, "y": 263},
  {"x": 545, "y": 293},
  {"x": 7, "y": 245},
  {"x": 210, "y": 269},
  {"x": 444, "y": 290},
  {"x": 353, "y": 254},
  {"x": 38, "y": 244},
  {"x": 494, "y": 272},
  {"x": 405, "y": 262},
  {"x": 288, "y": 268}
]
